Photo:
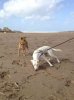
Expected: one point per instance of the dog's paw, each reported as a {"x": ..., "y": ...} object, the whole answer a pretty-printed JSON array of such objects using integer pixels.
[{"x": 51, "y": 65}]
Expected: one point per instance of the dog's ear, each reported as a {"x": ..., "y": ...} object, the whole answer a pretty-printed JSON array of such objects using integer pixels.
[{"x": 21, "y": 38}]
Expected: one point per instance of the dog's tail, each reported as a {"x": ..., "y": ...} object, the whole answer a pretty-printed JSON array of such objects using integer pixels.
[{"x": 56, "y": 49}]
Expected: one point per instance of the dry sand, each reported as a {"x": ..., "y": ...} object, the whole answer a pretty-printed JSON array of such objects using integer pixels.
[{"x": 19, "y": 81}]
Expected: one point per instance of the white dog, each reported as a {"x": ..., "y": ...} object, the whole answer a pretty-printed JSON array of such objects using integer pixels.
[{"x": 40, "y": 54}]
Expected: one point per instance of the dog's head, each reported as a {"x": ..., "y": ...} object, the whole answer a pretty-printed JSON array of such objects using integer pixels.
[
  {"x": 35, "y": 64},
  {"x": 23, "y": 38},
  {"x": 23, "y": 41}
]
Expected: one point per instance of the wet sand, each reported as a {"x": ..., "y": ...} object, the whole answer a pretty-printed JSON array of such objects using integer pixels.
[{"x": 19, "y": 81}]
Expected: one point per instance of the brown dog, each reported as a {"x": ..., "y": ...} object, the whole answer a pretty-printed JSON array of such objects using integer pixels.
[{"x": 23, "y": 45}]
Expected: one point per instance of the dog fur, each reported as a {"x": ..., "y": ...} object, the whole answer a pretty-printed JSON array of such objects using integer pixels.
[
  {"x": 40, "y": 53},
  {"x": 23, "y": 46}
]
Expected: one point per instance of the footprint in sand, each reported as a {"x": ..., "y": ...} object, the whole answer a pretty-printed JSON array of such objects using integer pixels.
[{"x": 18, "y": 62}]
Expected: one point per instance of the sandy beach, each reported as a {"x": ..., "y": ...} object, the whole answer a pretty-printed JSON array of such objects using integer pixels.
[{"x": 19, "y": 81}]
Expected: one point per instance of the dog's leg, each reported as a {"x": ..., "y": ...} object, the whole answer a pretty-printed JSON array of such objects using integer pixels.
[
  {"x": 52, "y": 55},
  {"x": 44, "y": 57},
  {"x": 24, "y": 52}
]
